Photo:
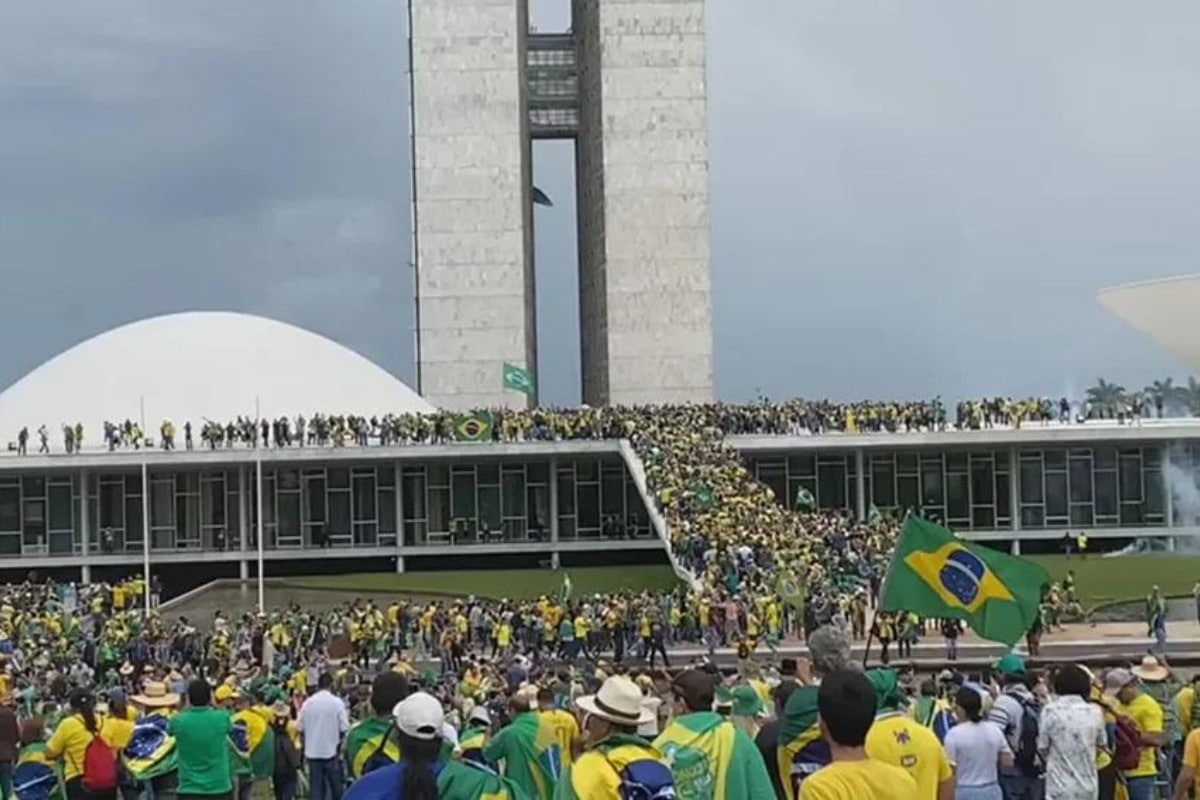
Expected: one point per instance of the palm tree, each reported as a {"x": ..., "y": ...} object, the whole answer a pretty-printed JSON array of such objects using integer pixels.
[
  {"x": 1189, "y": 396},
  {"x": 1106, "y": 397},
  {"x": 1162, "y": 394}
]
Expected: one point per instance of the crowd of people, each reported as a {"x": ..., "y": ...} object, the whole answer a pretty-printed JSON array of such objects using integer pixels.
[
  {"x": 789, "y": 417},
  {"x": 554, "y": 697}
]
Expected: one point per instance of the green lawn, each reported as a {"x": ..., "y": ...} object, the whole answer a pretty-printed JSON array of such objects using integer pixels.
[
  {"x": 1101, "y": 580},
  {"x": 495, "y": 584}
]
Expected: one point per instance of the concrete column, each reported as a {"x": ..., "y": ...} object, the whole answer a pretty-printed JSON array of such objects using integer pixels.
[
  {"x": 244, "y": 569},
  {"x": 243, "y": 509},
  {"x": 1168, "y": 498},
  {"x": 85, "y": 573},
  {"x": 84, "y": 513},
  {"x": 860, "y": 484},
  {"x": 554, "y": 560},
  {"x": 399, "y": 564},
  {"x": 1014, "y": 498},
  {"x": 554, "y": 503},
  {"x": 399, "y": 514}
]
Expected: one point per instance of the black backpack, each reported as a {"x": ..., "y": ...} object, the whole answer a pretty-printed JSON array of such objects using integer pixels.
[{"x": 1025, "y": 756}]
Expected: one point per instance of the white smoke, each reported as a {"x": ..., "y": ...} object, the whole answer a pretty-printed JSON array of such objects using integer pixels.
[{"x": 1184, "y": 486}]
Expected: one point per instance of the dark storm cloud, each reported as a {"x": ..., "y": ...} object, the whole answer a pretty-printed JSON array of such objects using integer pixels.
[{"x": 908, "y": 198}]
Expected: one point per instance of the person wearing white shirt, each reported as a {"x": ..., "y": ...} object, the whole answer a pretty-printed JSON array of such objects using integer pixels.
[{"x": 323, "y": 721}]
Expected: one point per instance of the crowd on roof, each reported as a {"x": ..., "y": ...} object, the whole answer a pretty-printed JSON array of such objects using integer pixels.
[{"x": 789, "y": 417}]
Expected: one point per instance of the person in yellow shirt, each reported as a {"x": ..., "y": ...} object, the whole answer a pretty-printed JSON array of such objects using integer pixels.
[
  {"x": 1147, "y": 714},
  {"x": 563, "y": 723},
  {"x": 897, "y": 739},
  {"x": 71, "y": 738},
  {"x": 846, "y": 711}
]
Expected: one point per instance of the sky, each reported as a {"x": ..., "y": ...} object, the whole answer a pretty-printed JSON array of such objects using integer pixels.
[{"x": 908, "y": 197}]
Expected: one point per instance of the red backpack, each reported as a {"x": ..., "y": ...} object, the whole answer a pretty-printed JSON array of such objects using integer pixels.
[
  {"x": 99, "y": 767},
  {"x": 1127, "y": 748}
]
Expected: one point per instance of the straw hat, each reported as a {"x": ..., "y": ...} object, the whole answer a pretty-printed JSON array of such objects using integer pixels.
[
  {"x": 154, "y": 694},
  {"x": 1151, "y": 670},
  {"x": 619, "y": 701}
]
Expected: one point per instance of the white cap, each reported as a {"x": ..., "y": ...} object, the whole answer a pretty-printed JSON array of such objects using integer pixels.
[
  {"x": 480, "y": 714},
  {"x": 420, "y": 716}
]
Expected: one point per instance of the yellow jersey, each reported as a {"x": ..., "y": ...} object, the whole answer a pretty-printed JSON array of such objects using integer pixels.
[
  {"x": 902, "y": 742},
  {"x": 867, "y": 779},
  {"x": 1148, "y": 714}
]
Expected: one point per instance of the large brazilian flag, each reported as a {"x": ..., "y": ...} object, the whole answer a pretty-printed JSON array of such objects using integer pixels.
[
  {"x": 34, "y": 777},
  {"x": 936, "y": 575},
  {"x": 473, "y": 427},
  {"x": 150, "y": 752},
  {"x": 370, "y": 745}
]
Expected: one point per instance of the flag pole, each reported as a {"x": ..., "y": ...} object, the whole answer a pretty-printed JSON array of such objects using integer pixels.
[
  {"x": 145, "y": 508},
  {"x": 884, "y": 586},
  {"x": 258, "y": 490}
]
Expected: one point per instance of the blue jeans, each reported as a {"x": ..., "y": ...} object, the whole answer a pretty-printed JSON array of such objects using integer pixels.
[
  {"x": 989, "y": 792},
  {"x": 325, "y": 780},
  {"x": 1140, "y": 788},
  {"x": 1021, "y": 787}
]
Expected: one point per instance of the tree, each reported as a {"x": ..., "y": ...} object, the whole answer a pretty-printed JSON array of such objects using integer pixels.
[
  {"x": 1162, "y": 393},
  {"x": 1189, "y": 396},
  {"x": 1106, "y": 397}
]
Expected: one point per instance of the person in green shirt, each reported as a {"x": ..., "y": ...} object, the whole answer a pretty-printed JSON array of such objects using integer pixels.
[{"x": 202, "y": 743}]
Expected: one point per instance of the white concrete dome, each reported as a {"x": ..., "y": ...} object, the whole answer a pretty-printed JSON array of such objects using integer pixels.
[
  {"x": 196, "y": 366},
  {"x": 1164, "y": 310}
]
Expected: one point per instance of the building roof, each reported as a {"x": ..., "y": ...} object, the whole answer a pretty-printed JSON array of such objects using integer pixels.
[
  {"x": 196, "y": 366},
  {"x": 1164, "y": 310}
]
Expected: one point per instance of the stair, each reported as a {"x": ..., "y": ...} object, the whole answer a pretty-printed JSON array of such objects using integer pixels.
[{"x": 638, "y": 471}]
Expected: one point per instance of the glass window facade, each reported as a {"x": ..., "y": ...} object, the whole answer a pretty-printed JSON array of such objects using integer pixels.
[
  {"x": 967, "y": 489},
  {"x": 1106, "y": 486},
  {"x": 830, "y": 477}
]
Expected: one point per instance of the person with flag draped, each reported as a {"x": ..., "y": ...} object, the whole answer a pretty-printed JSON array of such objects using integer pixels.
[
  {"x": 260, "y": 743},
  {"x": 150, "y": 755},
  {"x": 710, "y": 756},
  {"x": 34, "y": 776},
  {"x": 527, "y": 749},
  {"x": 370, "y": 743},
  {"x": 616, "y": 757},
  {"x": 474, "y": 736},
  {"x": 423, "y": 772}
]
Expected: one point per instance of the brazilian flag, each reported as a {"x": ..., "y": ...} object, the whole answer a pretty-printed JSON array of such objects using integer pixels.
[
  {"x": 473, "y": 427},
  {"x": 937, "y": 575},
  {"x": 370, "y": 745},
  {"x": 151, "y": 751},
  {"x": 801, "y": 750},
  {"x": 34, "y": 777}
]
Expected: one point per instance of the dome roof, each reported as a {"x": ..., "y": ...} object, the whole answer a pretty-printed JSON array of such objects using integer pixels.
[
  {"x": 196, "y": 366},
  {"x": 1164, "y": 310}
]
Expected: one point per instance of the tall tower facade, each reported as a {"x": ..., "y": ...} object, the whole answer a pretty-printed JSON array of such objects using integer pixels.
[{"x": 627, "y": 84}]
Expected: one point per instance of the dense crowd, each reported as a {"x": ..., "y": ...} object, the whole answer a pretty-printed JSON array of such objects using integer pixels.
[{"x": 470, "y": 699}]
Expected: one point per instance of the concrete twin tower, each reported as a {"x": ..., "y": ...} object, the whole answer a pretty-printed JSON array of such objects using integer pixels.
[{"x": 627, "y": 84}]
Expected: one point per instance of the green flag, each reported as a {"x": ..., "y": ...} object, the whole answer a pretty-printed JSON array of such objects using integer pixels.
[
  {"x": 805, "y": 500},
  {"x": 935, "y": 574},
  {"x": 473, "y": 427},
  {"x": 706, "y": 498},
  {"x": 518, "y": 379},
  {"x": 873, "y": 515},
  {"x": 564, "y": 594}
]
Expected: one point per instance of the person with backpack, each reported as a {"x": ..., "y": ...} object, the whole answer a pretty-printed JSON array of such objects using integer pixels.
[
  {"x": 617, "y": 763},
  {"x": 1017, "y": 712},
  {"x": 1144, "y": 712},
  {"x": 83, "y": 742}
]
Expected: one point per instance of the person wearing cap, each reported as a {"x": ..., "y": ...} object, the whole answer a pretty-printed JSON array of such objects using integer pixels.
[
  {"x": 1147, "y": 714},
  {"x": 846, "y": 703},
  {"x": 369, "y": 743},
  {"x": 702, "y": 746},
  {"x": 474, "y": 735},
  {"x": 422, "y": 773},
  {"x": 746, "y": 710},
  {"x": 1159, "y": 682},
  {"x": 897, "y": 739},
  {"x": 615, "y": 755},
  {"x": 1007, "y": 712}
]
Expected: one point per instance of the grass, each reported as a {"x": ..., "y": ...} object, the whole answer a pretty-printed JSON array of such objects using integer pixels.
[
  {"x": 1104, "y": 580},
  {"x": 496, "y": 584},
  {"x": 1097, "y": 580}
]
